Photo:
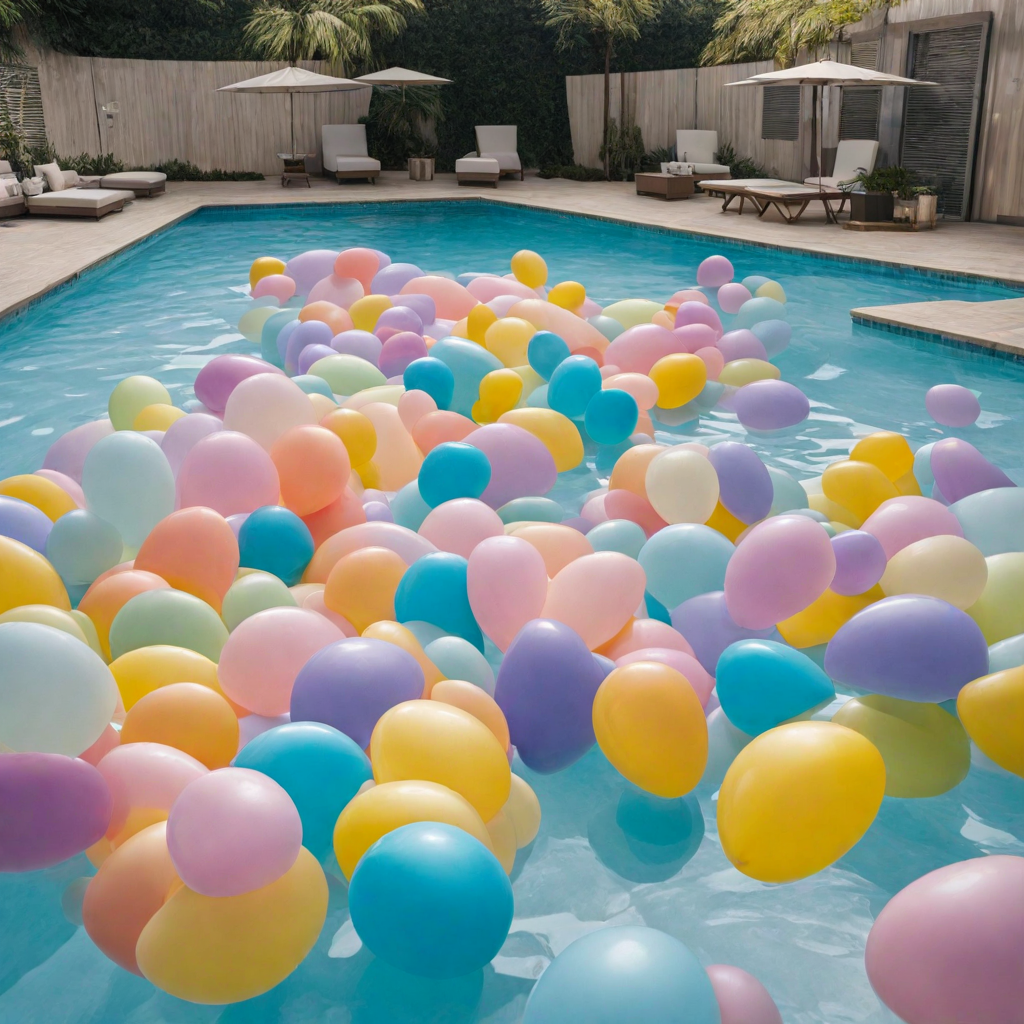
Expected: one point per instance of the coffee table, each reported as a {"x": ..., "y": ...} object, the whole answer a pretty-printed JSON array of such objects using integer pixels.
[{"x": 666, "y": 186}]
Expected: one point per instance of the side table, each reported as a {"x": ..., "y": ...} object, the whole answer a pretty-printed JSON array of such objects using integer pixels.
[{"x": 665, "y": 186}]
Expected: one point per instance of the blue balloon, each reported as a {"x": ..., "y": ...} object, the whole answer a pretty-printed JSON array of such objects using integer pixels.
[
  {"x": 531, "y": 510},
  {"x": 656, "y": 610},
  {"x": 407, "y": 507},
  {"x": 774, "y": 335},
  {"x": 277, "y": 541},
  {"x": 761, "y": 684},
  {"x": 684, "y": 560},
  {"x": 314, "y": 385},
  {"x": 608, "y": 326},
  {"x": 993, "y": 520},
  {"x": 320, "y": 768},
  {"x": 278, "y": 326},
  {"x": 453, "y": 470},
  {"x": 1008, "y": 653},
  {"x": 620, "y": 535},
  {"x": 757, "y": 309},
  {"x": 616, "y": 975},
  {"x": 431, "y": 900},
  {"x": 545, "y": 352},
  {"x": 538, "y": 398},
  {"x": 573, "y": 384},
  {"x": 459, "y": 659},
  {"x": 469, "y": 363},
  {"x": 24, "y": 522},
  {"x": 611, "y": 416},
  {"x": 81, "y": 546},
  {"x": 431, "y": 375},
  {"x": 433, "y": 590}
]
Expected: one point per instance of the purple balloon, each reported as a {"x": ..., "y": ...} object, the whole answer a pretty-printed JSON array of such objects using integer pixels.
[
  {"x": 358, "y": 343},
  {"x": 351, "y": 683},
  {"x": 960, "y": 469},
  {"x": 24, "y": 522},
  {"x": 309, "y": 267},
  {"x": 311, "y": 332},
  {"x": 67, "y": 454},
  {"x": 51, "y": 807},
  {"x": 398, "y": 318},
  {"x": 706, "y": 623},
  {"x": 184, "y": 433},
  {"x": 911, "y": 647},
  {"x": 694, "y": 312},
  {"x": 952, "y": 405},
  {"x": 372, "y": 494},
  {"x": 579, "y": 523},
  {"x": 741, "y": 344},
  {"x": 385, "y": 259},
  {"x": 422, "y": 305},
  {"x": 770, "y": 405},
  {"x": 546, "y": 687},
  {"x": 392, "y": 279},
  {"x": 521, "y": 464},
  {"x": 399, "y": 351},
  {"x": 745, "y": 484},
  {"x": 222, "y": 374},
  {"x": 235, "y": 522},
  {"x": 311, "y": 353},
  {"x": 860, "y": 562},
  {"x": 378, "y": 512}
]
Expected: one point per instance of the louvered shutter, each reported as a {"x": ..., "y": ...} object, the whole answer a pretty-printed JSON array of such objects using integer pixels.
[
  {"x": 780, "y": 113},
  {"x": 858, "y": 115},
  {"x": 19, "y": 86}
]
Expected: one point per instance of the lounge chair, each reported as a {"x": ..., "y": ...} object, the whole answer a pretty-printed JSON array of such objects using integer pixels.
[
  {"x": 68, "y": 198},
  {"x": 345, "y": 153},
  {"x": 10, "y": 205},
  {"x": 499, "y": 142},
  {"x": 853, "y": 157},
  {"x": 142, "y": 183},
  {"x": 790, "y": 198},
  {"x": 697, "y": 147}
]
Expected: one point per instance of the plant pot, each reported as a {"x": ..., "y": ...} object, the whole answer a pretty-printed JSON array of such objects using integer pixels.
[
  {"x": 871, "y": 206},
  {"x": 905, "y": 210},
  {"x": 926, "y": 208},
  {"x": 421, "y": 168}
]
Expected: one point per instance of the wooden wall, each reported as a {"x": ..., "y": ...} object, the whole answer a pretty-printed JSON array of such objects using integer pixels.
[{"x": 172, "y": 110}]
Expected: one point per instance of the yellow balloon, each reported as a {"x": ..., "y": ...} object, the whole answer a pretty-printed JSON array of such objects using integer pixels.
[
  {"x": 264, "y": 266},
  {"x": 47, "y": 615},
  {"x": 907, "y": 484},
  {"x": 1000, "y": 609},
  {"x": 509, "y": 338},
  {"x": 500, "y": 390},
  {"x": 886, "y": 450},
  {"x": 51, "y": 499},
  {"x": 225, "y": 949},
  {"x": 726, "y": 523},
  {"x": 682, "y": 486},
  {"x": 557, "y": 432},
  {"x": 650, "y": 724},
  {"x": 858, "y": 486},
  {"x": 131, "y": 396},
  {"x": 835, "y": 512},
  {"x": 476, "y": 324},
  {"x": 158, "y": 417},
  {"x": 503, "y": 839},
  {"x": 523, "y": 808},
  {"x": 531, "y": 381},
  {"x": 368, "y": 473},
  {"x": 148, "y": 668},
  {"x": 397, "y": 634},
  {"x": 568, "y": 294},
  {"x": 425, "y": 739},
  {"x": 88, "y": 627},
  {"x": 798, "y": 797},
  {"x": 992, "y": 711},
  {"x": 529, "y": 268},
  {"x": 925, "y": 748},
  {"x": 630, "y": 312},
  {"x": 771, "y": 290},
  {"x": 680, "y": 378},
  {"x": 821, "y": 619},
  {"x": 28, "y": 578},
  {"x": 381, "y": 809},
  {"x": 946, "y": 567},
  {"x": 745, "y": 371},
  {"x": 357, "y": 433},
  {"x": 366, "y": 311},
  {"x": 322, "y": 405}
]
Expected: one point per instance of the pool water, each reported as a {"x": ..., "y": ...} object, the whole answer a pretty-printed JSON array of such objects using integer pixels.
[{"x": 606, "y": 852}]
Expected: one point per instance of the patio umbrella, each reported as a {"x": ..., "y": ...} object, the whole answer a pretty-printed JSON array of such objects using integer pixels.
[
  {"x": 292, "y": 80},
  {"x": 823, "y": 73},
  {"x": 402, "y": 77}
]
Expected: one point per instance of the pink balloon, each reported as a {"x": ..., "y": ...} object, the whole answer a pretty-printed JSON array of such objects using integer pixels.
[
  {"x": 639, "y": 385},
  {"x": 688, "y": 295},
  {"x": 222, "y": 374},
  {"x": 596, "y": 595},
  {"x": 265, "y": 406},
  {"x": 741, "y": 344},
  {"x": 638, "y": 348},
  {"x": 780, "y": 567},
  {"x": 361, "y": 264},
  {"x": 342, "y": 291},
  {"x": 262, "y": 657},
  {"x": 898, "y": 522},
  {"x": 713, "y": 360},
  {"x": 309, "y": 267},
  {"x": 277, "y": 286},
  {"x": 315, "y": 603},
  {"x": 687, "y": 664},
  {"x": 70, "y": 487},
  {"x": 228, "y": 472},
  {"x": 641, "y": 633},
  {"x": 67, "y": 454},
  {"x": 413, "y": 405},
  {"x": 952, "y": 405},
  {"x": 460, "y": 525},
  {"x": 487, "y": 288},
  {"x": 948, "y": 947},
  {"x": 714, "y": 272},
  {"x": 698, "y": 313},
  {"x": 742, "y": 999},
  {"x": 451, "y": 299},
  {"x": 507, "y": 584},
  {"x": 731, "y": 296},
  {"x": 693, "y": 337},
  {"x": 233, "y": 831},
  {"x": 185, "y": 433},
  {"x": 404, "y": 542}
]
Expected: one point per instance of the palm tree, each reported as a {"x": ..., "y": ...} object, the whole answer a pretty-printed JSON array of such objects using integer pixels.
[
  {"x": 603, "y": 22},
  {"x": 778, "y": 29},
  {"x": 338, "y": 31}
]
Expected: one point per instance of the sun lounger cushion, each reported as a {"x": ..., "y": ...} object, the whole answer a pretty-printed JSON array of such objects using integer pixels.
[
  {"x": 852, "y": 157},
  {"x": 144, "y": 181},
  {"x": 344, "y": 147},
  {"x": 499, "y": 142},
  {"x": 79, "y": 200},
  {"x": 53, "y": 174},
  {"x": 355, "y": 163}
]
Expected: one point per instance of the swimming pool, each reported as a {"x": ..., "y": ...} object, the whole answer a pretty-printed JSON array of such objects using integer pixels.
[{"x": 606, "y": 852}]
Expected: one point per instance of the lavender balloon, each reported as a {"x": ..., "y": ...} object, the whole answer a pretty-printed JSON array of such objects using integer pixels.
[
  {"x": 67, "y": 454},
  {"x": 184, "y": 433},
  {"x": 960, "y": 469},
  {"x": 422, "y": 305},
  {"x": 741, "y": 344},
  {"x": 770, "y": 405},
  {"x": 351, "y": 683},
  {"x": 399, "y": 351},
  {"x": 310, "y": 332},
  {"x": 546, "y": 687},
  {"x": 714, "y": 272},
  {"x": 521, "y": 464},
  {"x": 745, "y": 485},
  {"x": 392, "y": 279},
  {"x": 310, "y": 354},
  {"x": 51, "y": 807},
  {"x": 222, "y": 374},
  {"x": 309, "y": 267},
  {"x": 358, "y": 343},
  {"x": 952, "y": 405},
  {"x": 693, "y": 312},
  {"x": 24, "y": 522},
  {"x": 707, "y": 625},
  {"x": 860, "y": 562},
  {"x": 911, "y": 647},
  {"x": 378, "y": 512},
  {"x": 397, "y": 319}
]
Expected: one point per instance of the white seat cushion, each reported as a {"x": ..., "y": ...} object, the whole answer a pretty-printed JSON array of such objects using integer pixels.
[
  {"x": 832, "y": 182},
  {"x": 477, "y": 165},
  {"x": 696, "y": 146},
  {"x": 356, "y": 163},
  {"x": 506, "y": 161},
  {"x": 53, "y": 174},
  {"x": 132, "y": 179},
  {"x": 710, "y": 168},
  {"x": 80, "y": 198}
]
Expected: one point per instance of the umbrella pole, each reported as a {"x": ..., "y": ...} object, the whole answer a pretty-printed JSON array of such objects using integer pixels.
[{"x": 291, "y": 111}]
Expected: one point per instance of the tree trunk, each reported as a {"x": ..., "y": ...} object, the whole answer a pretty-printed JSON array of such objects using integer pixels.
[{"x": 607, "y": 98}]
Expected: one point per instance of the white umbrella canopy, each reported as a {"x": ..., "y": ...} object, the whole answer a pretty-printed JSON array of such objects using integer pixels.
[{"x": 403, "y": 77}]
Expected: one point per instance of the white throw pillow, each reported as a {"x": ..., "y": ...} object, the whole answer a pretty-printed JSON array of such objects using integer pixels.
[
  {"x": 13, "y": 188},
  {"x": 53, "y": 174},
  {"x": 70, "y": 179}
]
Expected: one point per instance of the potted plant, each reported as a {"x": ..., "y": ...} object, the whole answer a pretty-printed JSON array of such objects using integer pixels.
[
  {"x": 875, "y": 204},
  {"x": 927, "y": 204}
]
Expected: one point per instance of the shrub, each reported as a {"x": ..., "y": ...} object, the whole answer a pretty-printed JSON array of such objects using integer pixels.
[
  {"x": 574, "y": 172},
  {"x": 105, "y": 163},
  {"x": 739, "y": 167},
  {"x": 184, "y": 170}
]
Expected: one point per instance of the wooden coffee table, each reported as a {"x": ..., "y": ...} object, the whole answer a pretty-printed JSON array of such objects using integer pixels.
[{"x": 665, "y": 186}]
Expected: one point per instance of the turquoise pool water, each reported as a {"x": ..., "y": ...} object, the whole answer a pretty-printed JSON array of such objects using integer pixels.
[{"x": 605, "y": 851}]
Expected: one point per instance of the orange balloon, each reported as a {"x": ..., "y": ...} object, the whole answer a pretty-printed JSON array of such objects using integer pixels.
[
  {"x": 313, "y": 467},
  {"x": 479, "y": 703},
  {"x": 327, "y": 312},
  {"x": 362, "y": 264},
  {"x": 103, "y": 600},
  {"x": 194, "y": 550},
  {"x": 630, "y": 471},
  {"x": 558, "y": 545},
  {"x": 362, "y": 586},
  {"x": 132, "y": 884},
  {"x": 346, "y": 510},
  {"x": 397, "y": 634},
  {"x": 188, "y": 717},
  {"x": 435, "y": 428}
]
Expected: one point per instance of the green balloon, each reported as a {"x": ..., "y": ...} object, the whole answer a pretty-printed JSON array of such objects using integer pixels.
[
  {"x": 346, "y": 374},
  {"x": 252, "y": 593},
  {"x": 169, "y": 617}
]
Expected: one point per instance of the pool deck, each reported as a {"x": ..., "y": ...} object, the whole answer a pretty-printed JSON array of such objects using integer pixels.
[{"x": 39, "y": 253}]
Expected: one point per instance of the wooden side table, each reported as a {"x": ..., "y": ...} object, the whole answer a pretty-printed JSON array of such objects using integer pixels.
[
  {"x": 421, "y": 168},
  {"x": 665, "y": 186},
  {"x": 294, "y": 169}
]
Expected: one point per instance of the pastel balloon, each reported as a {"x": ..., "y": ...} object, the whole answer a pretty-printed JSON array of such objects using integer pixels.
[
  {"x": 999, "y": 611},
  {"x": 714, "y": 272},
  {"x": 992, "y": 520},
  {"x": 24, "y": 522},
  {"x": 779, "y": 568},
  {"x": 476, "y": 702},
  {"x": 460, "y": 525},
  {"x": 693, "y": 311},
  {"x": 167, "y": 617},
  {"x": 507, "y": 584},
  {"x": 433, "y": 590},
  {"x": 81, "y": 546},
  {"x": 860, "y": 562},
  {"x": 453, "y": 470},
  {"x": 222, "y": 374},
  {"x": 456, "y": 658},
  {"x": 362, "y": 585},
  {"x": 551, "y": 727},
  {"x": 947, "y": 946},
  {"x": 146, "y": 669},
  {"x": 312, "y": 466},
  {"x": 451, "y": 299},
  {"x": 275, "y": 540},
  {"x": 797, "y": 798},
  {"x": 264, "y": 654},
  {"x": 904, "y": 520},
  {"x": 992, "y": 711},
  {"x": 266, "y": 405},
  {"x": 67, "y": 454},
  {"x": 108, "y": 595},
  {"x": 952, "y": 405},
  {"x": 252, "y": 593},
  {"x": 745, "y": 486},
  {"x": 131, "y": 396},
  {"x": 946, "y": 567},
  {"x": 74, "y": 624},
  {"x": 960, "y": 469},
  {"x": 706, "y": 623},
  {"x": 611, "y": 416},
  {"x": 404, "y": 542},
  {"x": 742, "y": 999},
  {"x": 557, "y": 543},
  {"x": 682, "y": 486},
  {"x": 620, "y": 535},
  {"x": 46, "y": 495},
  {"x": 228, "y": 472},
  {"x": 911, "y": 647},
  {"x": 742, "y": 344},
  {"x": 770, "y": 405},
  {"x": 226, "y": 949},
  {"x": 52, "y": 807}
]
